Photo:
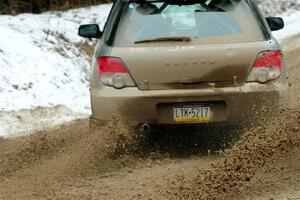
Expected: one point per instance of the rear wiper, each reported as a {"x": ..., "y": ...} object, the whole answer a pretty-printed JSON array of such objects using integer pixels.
[{"x": 165, "y": 39}]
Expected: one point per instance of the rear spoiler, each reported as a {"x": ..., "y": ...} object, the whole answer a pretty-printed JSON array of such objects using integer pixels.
[{"x": 175, "y": 2}]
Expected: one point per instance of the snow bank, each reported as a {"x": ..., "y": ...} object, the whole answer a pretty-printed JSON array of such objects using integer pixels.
[
  {"x": 292, "y": 25},
  {"x": 40, "y": 64},
  {"x": 27, "y": 121},
  {"x": 289, "y": 10},
  {"x": 275, "y": 7}
]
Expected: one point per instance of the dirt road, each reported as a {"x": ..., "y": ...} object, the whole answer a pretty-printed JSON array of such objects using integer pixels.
[{"x": 73, "y": 162}]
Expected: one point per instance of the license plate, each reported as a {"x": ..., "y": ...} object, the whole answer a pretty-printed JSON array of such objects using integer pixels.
[{"x": 192, "y": 113}]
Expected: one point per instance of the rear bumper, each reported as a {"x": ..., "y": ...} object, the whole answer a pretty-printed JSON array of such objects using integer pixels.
[{"x": 232, "y": 104}]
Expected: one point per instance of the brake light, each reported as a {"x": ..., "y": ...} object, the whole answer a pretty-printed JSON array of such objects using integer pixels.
[
  {"x": 113, "y": 72},
  {"x": 267, "y": 66},
  {"x": 111, "y": 64}
]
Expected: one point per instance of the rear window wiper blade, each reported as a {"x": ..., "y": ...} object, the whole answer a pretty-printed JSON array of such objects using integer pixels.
[{"x": 165, "y": 39}]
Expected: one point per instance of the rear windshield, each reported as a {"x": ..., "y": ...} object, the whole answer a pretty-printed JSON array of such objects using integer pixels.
[{"x": 204, "y": 21}]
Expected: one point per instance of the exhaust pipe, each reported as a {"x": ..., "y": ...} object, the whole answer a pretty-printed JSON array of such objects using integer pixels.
[{"x": 145, "y": 127}]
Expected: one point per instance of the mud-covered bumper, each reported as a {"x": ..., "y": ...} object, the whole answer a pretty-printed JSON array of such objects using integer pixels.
[{"x": 232, "y": 104}]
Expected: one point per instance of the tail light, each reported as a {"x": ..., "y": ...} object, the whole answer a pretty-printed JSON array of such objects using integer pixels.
[
  {"x": 113, "y": 72},
  {"x": 267, "y": 66}
]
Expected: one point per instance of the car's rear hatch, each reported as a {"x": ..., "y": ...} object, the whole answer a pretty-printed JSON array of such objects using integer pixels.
[
  {"x": 220, "y": 41},
  {"x": 193, "y": 66}
]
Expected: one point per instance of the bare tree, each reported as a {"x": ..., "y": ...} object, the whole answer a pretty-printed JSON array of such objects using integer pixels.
[{"x": 36, "y": 6}]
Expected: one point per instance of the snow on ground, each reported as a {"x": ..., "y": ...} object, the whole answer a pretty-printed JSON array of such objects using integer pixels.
[
  {"x": 274, "y": 7},
  {"x": 289, "y": 10},
  {"x": 39, "y": 61},
  {"x": 40, "y": 64},
  {"x": 42, "y": 68},
  {"x": 26, "y": 121},
  {"x": 292, "y": 25}
]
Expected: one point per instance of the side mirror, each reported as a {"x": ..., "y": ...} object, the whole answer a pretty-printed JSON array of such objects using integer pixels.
[
  {"x": 89, "y": 31},
  {"x": 275, "y": 23}
]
